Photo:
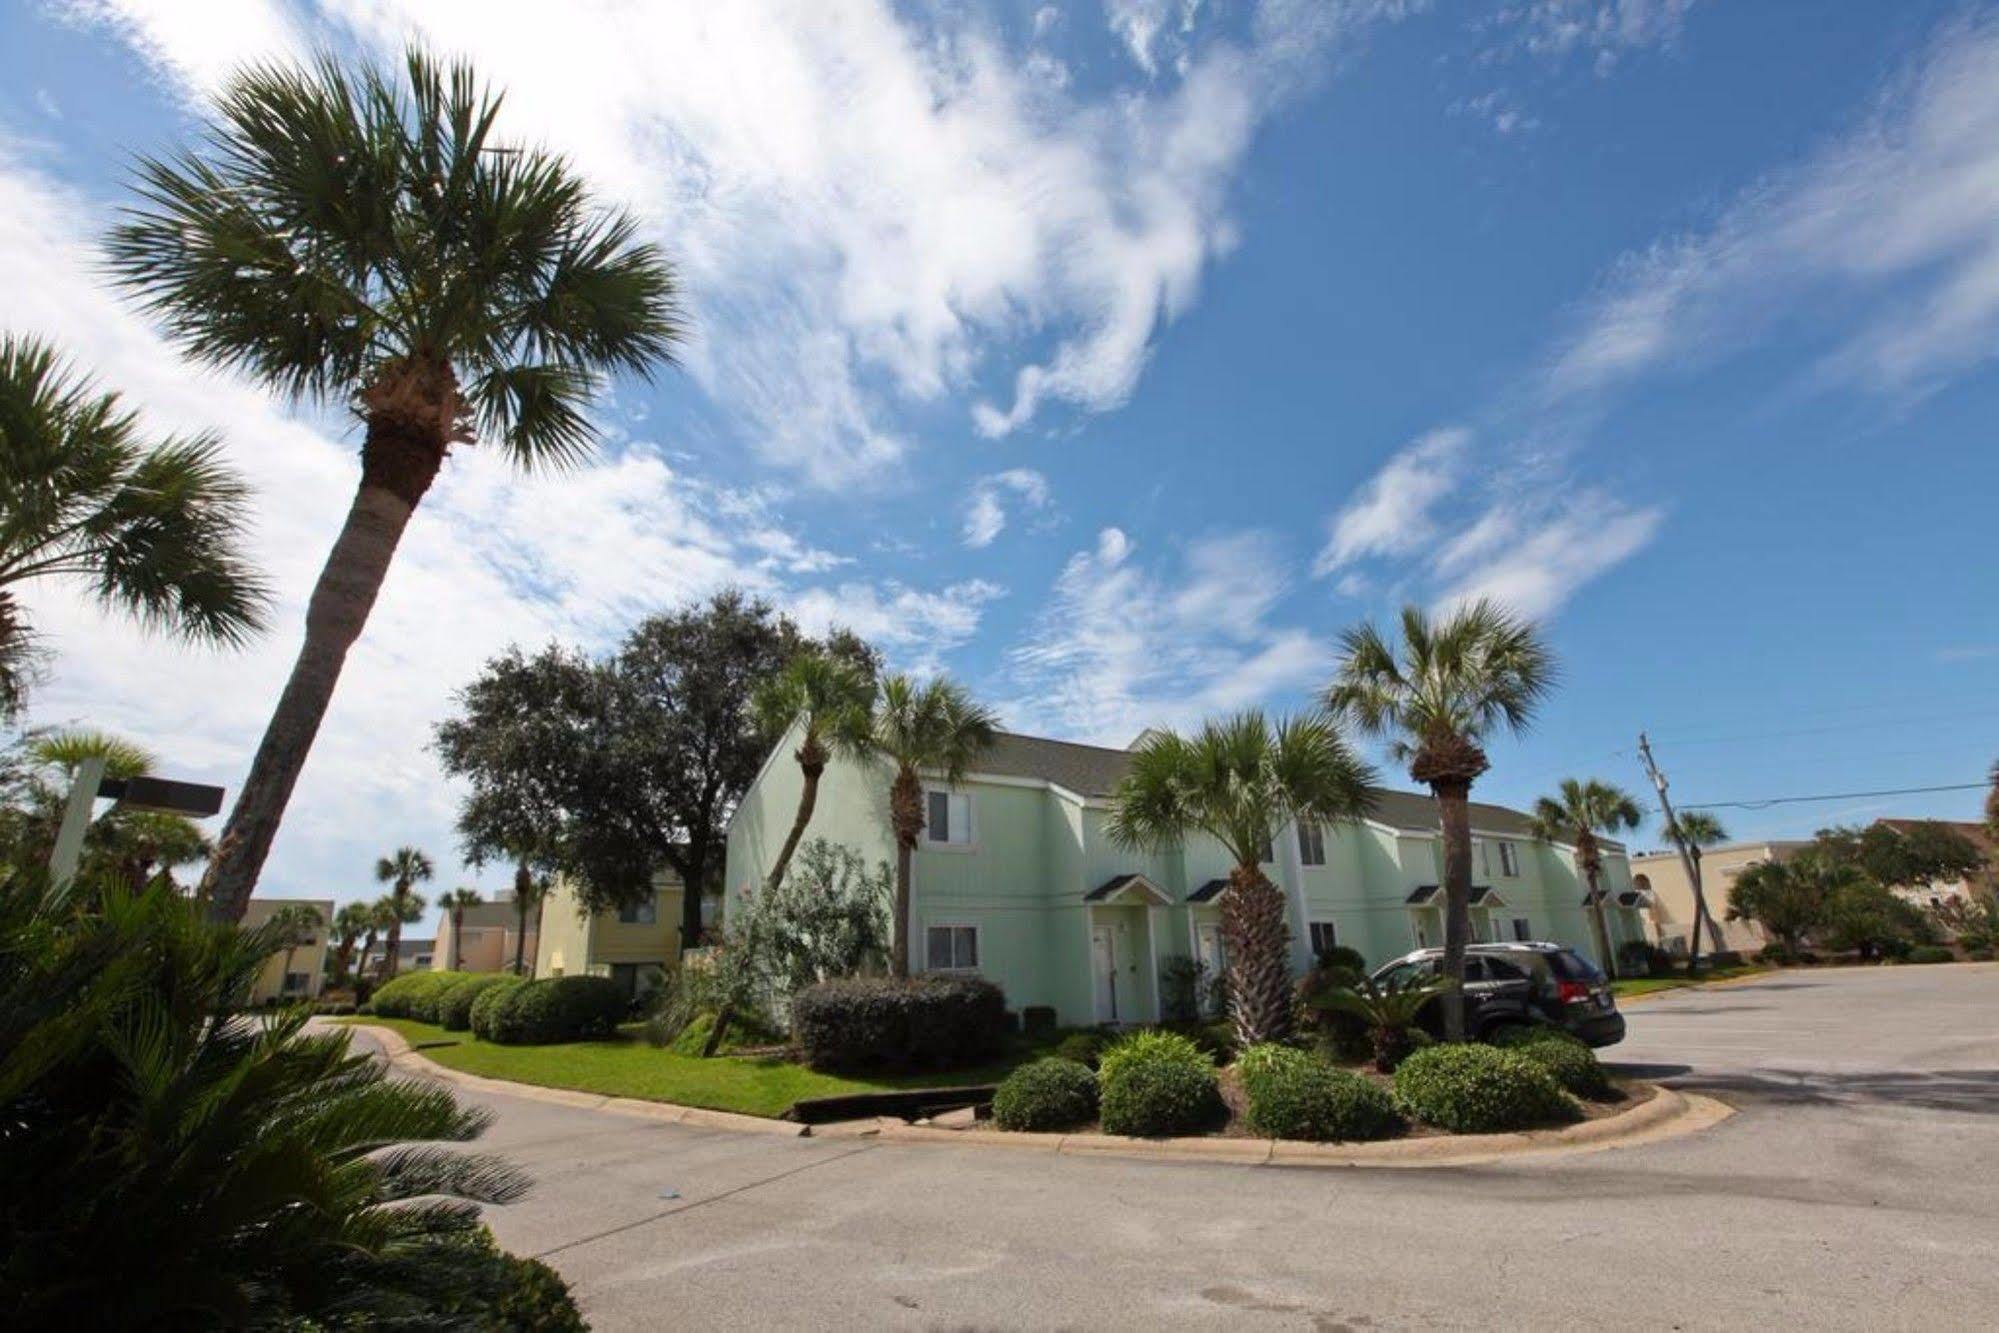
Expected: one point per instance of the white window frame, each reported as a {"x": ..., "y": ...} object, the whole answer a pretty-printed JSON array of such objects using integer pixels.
[
  {"x": 971, "y": 842},
  {"x": 1482, "y": 849},
  {"x": 1509, "y": 860},
  {"x": 978, "y": 946},
  {"x": 1312, "y": 925},
  {"x": 1317, "y": 844}
]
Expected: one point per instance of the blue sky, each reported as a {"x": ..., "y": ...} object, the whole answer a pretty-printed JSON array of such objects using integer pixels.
[{"x": 1113, "y": 357}]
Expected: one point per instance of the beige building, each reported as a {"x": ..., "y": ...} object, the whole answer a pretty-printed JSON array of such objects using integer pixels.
[
  {"x": 484, "y": 938},
  {"x": 636, "y": 947},
  {"x": 302, "y": 974},
  {"x": 1672, "y": 893}
]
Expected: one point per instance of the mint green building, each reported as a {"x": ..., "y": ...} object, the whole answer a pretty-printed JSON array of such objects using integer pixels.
[{"x": 1014, "y": 878}]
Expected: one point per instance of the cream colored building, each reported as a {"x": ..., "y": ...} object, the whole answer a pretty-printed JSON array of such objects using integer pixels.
[
  {"x": 303, "y": 976},
  {"x": 636, "y": 947},
  {"x": 483, "y": 938},
  {"x": 1672, "y": 893}
]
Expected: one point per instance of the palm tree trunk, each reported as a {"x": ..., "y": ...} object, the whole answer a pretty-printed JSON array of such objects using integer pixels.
[
  {"x": 1597, "y": 917},
  {"x": 1258, "y": 942},
  {"x": 905, "y": 806},
  {"x": 1701, "y": 913},
  {"x": 1454, "y": 815},
  {"x": 398, "y": 463},
  {"x": 341, "y": 954},
  {"x": 812, "y": 763}
]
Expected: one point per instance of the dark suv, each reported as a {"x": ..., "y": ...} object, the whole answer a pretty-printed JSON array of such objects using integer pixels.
[{"x": 1519, "y": 985}]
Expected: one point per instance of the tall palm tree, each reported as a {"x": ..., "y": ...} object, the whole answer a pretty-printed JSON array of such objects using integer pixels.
[
  {"x": 381, "y": 915},
  {"x": 1240, "y": 781},
  {"x": 402, "y": 872},
  {"x": 826, "y": 696},
  {"x": 362, "y": 239},
  {"x": 1576, "y": 814},
  {"x": 530, "y": 891},
  {"x": 1455, "y": 681},
  {"x": 1697, "y": 830},
  {"x": 455, "y": 902},
  {"x": 350, "y": 923},
  {"x": 290, "y": 927},
  {"x": 934, "y": 728},
  {"x": 153, "y": 529}
]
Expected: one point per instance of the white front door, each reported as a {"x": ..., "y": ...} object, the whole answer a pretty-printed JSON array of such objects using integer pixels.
[
  {"x": 1103, "y": 972},
  {"x": 1208, "y": 943}
]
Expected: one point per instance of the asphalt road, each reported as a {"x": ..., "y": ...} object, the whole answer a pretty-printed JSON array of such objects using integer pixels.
[{"x": 1858, "y": 1187}]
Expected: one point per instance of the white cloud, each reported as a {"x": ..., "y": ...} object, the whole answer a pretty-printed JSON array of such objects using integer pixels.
[
  {"x": 1895, "y": 225},
  {"x": 1392, "y": 513},
  {"x": 196, "y": 46},
  {"x": 1121, "y": 647},
  {"x": 1533, "y": 565},
  {"x": 985, "y": 510},
  {"x": 914, "y": 628},
  {"x": 1147, "y": 26},
  {"x": 1603, "y": 29}
]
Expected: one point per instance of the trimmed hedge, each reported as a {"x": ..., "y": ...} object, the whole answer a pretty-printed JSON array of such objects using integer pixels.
[
  {"x": 926, "y": 1022},
  {"x": 555, "y": 1009},
  {"x": 1293, "y": 1095},
  {"x": 1570, "y": 1060},
  {"x": 1153, "y": 1084},
  {"x": 454, "y": 1006},
  {"x": 1472, "y": 1089},
  {"x": 413, "y": 995},
  {"x": 488, "y": 1003},
  {"x": 1047, "y": 1094}
]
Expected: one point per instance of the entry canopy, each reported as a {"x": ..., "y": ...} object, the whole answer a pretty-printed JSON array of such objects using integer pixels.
[
  {"x": 1121, "y": 886},
  {"x": 163, "y": 796}
]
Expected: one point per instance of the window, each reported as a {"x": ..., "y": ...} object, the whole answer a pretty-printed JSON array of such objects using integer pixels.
[
  {"x": 296, "y": 981},
  {"x": 1325, "y": 938},
  {"x": 952, "y": 948},
  {"x": 1311, "y": 843},
  {"x": 1521, "y": 930},
  {"x": 640, "y": 914},
  {"x": 1482, "y": 853},
  {"x": 1509, "y": 859},
  {"x": 949, "y": 819}
]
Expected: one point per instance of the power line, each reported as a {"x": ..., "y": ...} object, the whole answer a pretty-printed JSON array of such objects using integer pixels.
[{"x": 1769, "y": 801}]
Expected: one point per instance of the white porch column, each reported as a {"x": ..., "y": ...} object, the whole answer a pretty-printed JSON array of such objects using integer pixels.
[
  {"x": 1152, "y": 949},
  {"x": 1291, "y": 878}
]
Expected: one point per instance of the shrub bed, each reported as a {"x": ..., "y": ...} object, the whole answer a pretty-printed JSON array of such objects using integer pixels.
[
  {"x": 555, "y": 1009},
  {"x": 1085, "y": 1048},
  {"x": 1048, "y": 1094},
  {"x": 410, "y": 994},
  {"x": 488, "y": 1003},
  {"x": 454, "y": 1006},
  {"x": 1154, "y": 1084},
  {"x": 1473, "y": 1089},
  {"x": 1930, "y": 953},
  {"x": 926, "y": 1022},
  {"x": 1293, "y": 1095},
  {"x": 1572, "y": 1063}
]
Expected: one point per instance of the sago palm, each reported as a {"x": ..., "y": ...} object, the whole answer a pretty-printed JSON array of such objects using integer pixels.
[
  {"x": 1694, "y": 831},
  {"x": 361, "y": 238},
  {"x": 934, "y": 728},
  {"x": 1454, "y": 681},
  {"x": 455, "y": 903},
  {"x": 1389, "y": 1012},
  {"x": 152, "y": 528},
  {"x": 402, "y": 872},
  {"x": 1239, "y": 781},
  {"x": 1576, "y": 814}
]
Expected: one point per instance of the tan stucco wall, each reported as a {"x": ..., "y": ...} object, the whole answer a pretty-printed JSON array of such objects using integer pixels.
[
  {"x": 1673, "y": 893},
  {"x": 574, "y": 944},
  {"x": 309, "y": 958}
]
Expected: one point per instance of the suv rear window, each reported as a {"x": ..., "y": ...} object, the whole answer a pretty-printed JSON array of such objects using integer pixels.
[{"x": 1574, "y": 967}]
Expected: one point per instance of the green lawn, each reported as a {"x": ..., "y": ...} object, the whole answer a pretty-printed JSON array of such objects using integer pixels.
[
  {"x": 628, "y": 1067},
  {"x": 1635, "y": 986}
]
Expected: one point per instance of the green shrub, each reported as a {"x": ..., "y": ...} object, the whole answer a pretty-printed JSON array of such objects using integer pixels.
[
  {"x": 334, "y": 1008},
  {"x": 557, "y": 1009},
  {"x": 1085, "y": 1048},
  {"x": 1157, "y": 1083},
  {"x": 454, "y": 1006},
  {"x": 1474, "y": 1089},
  {"x": 882, "y": 1023},
  {"x": 1293, "y": 1095},
  {"x": 1217, "y": 1040},
  {"x": 1048, "y": 1094},
  {"x": 1930, "y": 953},
  {"x": 399, "y": 996},
  {"x": 426, "y": 1006},
  {"x": 488, "y": 1003},
  {"x": 1570, "y": 1060},
  {"x": 1038, "y": 1020}
]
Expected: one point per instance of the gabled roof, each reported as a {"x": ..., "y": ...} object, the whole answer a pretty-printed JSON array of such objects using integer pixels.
[
  {"x": 1118, "y": 885},
  {"x": 1208, "y": 892}
]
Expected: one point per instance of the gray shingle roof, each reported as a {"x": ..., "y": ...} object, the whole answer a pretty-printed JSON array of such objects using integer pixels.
[{"x": 1093, "y": 770}]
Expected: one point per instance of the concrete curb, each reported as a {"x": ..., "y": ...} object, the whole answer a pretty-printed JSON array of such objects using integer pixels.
[
  {"x": 401, "y": 1053},
  {"x": 1667, "y": 1114}
]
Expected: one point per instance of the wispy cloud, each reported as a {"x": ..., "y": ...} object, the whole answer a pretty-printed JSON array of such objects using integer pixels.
[
  {"x": 1603, "y": 30},
  {"x": 986, "y": 508},
  {"x": 1121, "y": 647},
  {"x": 1393, "y": 513}
]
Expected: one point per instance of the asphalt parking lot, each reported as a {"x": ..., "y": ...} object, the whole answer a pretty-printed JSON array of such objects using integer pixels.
[{"x": 1857, "y": 1187}]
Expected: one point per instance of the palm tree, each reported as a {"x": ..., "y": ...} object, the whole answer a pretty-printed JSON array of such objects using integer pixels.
[
  {"x": 402, "y": 872},
  {"x": 936, "y": 728},
  {"x": 360, "y": 239},
  {"x": 289, "y": 927},
  {"x": 1239, "y": 781},
  {"x": 350, "y": 923},
  {"x": 134, "y": 842},
  {"x": 1578, "y": 812},
  {"x": 152, "y": 528},
  {"x": 1695, "y": 831},
  {"x": 1455, "y": 681},
  {"x": 381, "y": 915},
  {"x": 455, "y": 902},
  {"x": 826, "y": 695},
  {"x": 530, "y": 890}
]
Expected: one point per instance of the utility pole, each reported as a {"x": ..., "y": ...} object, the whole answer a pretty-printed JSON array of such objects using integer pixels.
[{"x": 1689, "y": 857}]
